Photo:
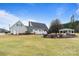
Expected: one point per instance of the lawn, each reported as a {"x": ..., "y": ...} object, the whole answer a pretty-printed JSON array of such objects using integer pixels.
[{"x": 36, "y": 45}]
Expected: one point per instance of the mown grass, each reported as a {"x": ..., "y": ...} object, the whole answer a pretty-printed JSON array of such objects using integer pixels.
[{"x": 36, "y": 45}]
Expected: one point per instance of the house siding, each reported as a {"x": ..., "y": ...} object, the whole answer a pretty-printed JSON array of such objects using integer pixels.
[
  {"x": 38, "y": 31},
  {"x": 18, "y": 29}
]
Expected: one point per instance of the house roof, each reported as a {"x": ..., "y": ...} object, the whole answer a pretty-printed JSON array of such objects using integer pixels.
[
  {"x": 66, "y": 29},
  {"x": 3, "y": 30},
  {"x": 39, "y": 26}
]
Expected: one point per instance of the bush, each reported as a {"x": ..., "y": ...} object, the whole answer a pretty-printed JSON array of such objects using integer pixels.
[
  {"x": 27, "y": 32},
  {"x": 60, "y": 35},
  {"x": 45, "y": 35},
  {"x": 52, "y": 35}
]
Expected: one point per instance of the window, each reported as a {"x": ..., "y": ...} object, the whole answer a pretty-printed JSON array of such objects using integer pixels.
[
  {"x": 18, "y": 24},
  {"x": 72, "y": 31}
]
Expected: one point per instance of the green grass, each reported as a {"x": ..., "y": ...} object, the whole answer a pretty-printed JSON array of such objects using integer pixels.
[{"x": 36, "y": 45}]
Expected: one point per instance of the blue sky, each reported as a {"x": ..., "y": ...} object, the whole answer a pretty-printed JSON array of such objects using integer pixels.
[{"x": 38, "y": 12}]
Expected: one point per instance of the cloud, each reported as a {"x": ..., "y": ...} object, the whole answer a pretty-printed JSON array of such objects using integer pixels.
[
  {"x": 7, "y": 18},
  {"x": 32, "y": 20},
  {"x": 77, "y": 11},
  {"x": 25, "y": 22}
]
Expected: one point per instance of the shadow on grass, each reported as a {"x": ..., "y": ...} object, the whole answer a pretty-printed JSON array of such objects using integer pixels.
[{"x": 3, "y": 53}]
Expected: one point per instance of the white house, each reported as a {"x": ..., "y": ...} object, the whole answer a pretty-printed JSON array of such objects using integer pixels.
[
  {"x": 38, "y": 28},
  {"x": 18, "y": 28},
  {"x": 34, "y": 27}
]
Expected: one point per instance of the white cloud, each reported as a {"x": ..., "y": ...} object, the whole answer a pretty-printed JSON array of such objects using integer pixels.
[
  {"x": 25, "y": 22},
  {"x": 32, "y": 20},
  {"x": 8, "y": 18},
  {"x": 77, "y": 11}
]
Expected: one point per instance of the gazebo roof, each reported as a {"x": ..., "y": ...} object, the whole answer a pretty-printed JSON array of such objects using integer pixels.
[{"x": 66, "y": 29}]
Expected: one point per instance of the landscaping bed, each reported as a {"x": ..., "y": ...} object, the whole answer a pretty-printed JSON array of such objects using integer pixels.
[{"x": 60, "y": 35}]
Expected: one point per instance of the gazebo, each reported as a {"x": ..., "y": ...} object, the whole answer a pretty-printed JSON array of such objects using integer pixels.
[{"x": 66, "y": 30}]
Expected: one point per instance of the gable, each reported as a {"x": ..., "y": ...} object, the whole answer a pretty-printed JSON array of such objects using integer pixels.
[{"x": 17, "y": 24}]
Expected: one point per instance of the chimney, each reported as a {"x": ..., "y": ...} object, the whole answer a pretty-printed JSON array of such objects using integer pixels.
[{"x": 29, "y": 23}]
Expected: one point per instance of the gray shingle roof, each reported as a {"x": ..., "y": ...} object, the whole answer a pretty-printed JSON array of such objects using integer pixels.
[
  {"x": 39, "y": 26},
  {"x": 3, "y": 30}
]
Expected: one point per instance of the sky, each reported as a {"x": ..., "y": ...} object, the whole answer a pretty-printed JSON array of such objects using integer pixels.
[{"x": 10, "y": 13}]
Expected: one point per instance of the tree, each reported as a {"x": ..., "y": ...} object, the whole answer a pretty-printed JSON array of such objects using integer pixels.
[
  {"x": 55, "y": 26},
  {"x": 72, "y": 23},
  {"x": 77, "y": 28}
]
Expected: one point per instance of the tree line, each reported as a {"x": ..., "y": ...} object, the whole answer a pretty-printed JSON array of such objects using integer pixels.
[{"x": 56, "y": 25}]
